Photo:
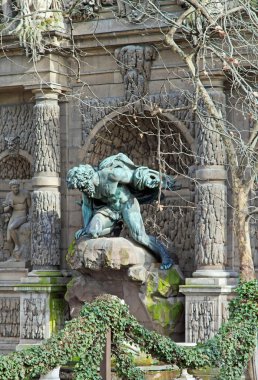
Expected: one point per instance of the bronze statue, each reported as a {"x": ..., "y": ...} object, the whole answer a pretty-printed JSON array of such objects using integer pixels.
[
  {"x": 17, "y": 203},
  {"x": 112, "y": 192}
]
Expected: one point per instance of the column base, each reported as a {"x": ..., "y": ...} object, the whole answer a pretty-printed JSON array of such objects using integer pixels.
[{"x": 214, "y": 273}]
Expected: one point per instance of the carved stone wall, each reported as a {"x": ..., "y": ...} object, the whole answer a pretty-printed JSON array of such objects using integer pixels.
[
  {"x": 9, "y": 317},
  {"x": 17, "y": 120},
  {"x": 201, "y": 320},
  {"x": 46, "y": 228},
  {"x": 43, "y": 310},
  {"x": 15, "y": 167},
  {"x": 16, "y": 132},
  {"x": 174, "y": 226},
  {"x": 34, "y": 310}
]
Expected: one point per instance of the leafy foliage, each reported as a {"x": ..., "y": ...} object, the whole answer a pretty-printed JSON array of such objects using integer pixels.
[{"x": 84, "y": 338}]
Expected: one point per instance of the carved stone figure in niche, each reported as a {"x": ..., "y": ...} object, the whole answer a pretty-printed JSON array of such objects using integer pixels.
[
  {"x": 111, "y": 195},
  {"x": 17, "y": 204},
  {"x": 13, "y": 145}
]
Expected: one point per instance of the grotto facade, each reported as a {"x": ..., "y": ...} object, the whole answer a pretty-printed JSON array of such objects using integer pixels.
[{"x": 91, "y": 87}]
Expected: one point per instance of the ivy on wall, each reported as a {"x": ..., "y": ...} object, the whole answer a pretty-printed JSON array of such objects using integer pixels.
[{"x": 83, "y": 339}]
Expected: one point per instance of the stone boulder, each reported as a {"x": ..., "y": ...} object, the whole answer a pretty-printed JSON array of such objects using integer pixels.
[
  {"x": 123, "y": 268},
  {"x": 110, "y": 253}
]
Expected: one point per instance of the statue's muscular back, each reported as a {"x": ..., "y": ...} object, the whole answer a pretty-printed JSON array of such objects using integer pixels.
[{"x": 111, "y": 186}]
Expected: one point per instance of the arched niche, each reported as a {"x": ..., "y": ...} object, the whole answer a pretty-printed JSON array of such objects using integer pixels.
[
  {"x": 18, "y": 166},
  {"x": 154, "y": 141}
]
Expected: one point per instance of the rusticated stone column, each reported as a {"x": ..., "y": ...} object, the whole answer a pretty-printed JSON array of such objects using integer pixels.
[
  {"x": 211, "y": 196},
  {"x": 210, "y": 221},
  {"x": 208, "y": 292},
  {"x": 46, "y": 196},
  {"x": 42, "y": 306}
]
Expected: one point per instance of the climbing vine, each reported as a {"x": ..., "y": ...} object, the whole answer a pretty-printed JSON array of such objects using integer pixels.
[{"x": 83, "y": 339}]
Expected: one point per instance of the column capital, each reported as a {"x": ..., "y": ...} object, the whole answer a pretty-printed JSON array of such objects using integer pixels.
[
  {"x": 43, "y": 95},
  {"x": 211, "y": 172}
]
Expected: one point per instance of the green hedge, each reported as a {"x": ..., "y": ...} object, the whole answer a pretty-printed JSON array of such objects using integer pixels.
[{"x": 83, "y": 338}]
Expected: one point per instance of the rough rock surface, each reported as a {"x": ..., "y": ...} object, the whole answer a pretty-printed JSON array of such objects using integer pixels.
[{"x": 121, "y": 267}]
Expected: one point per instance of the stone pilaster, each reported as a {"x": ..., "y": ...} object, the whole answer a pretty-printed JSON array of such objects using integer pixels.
[
  {"x": 207, "y": 294},
  {"x": 45, "y": 215}
]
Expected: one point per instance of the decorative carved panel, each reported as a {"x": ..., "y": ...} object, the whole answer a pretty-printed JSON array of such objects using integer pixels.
[
  {"x": 9, "y": 317},
  {"x": 34, "y": 310},
  {"x": 201, "y": 320}
]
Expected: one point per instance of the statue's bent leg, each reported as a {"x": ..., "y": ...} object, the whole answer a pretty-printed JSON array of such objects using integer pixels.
[
  {"x": 100, "y": 225},
  {"x": 13, "y": 233},
  {"x": 132, "y": 218}
]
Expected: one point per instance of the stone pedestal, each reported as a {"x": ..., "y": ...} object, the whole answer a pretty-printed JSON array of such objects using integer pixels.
[
  {"x": 42, "y": 306},
  {"x": 10, "y": 304},
  {"x": 206, "y": 306},
  {"x": 123, "y": 268}
]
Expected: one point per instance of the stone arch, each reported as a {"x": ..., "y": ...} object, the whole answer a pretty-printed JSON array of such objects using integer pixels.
[
  {"x": 137, "y": 136},
  {"x": 15, "y": 166}
]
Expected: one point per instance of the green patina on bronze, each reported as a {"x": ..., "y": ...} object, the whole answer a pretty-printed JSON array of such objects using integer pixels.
[{"x": 111, "y": 195}]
